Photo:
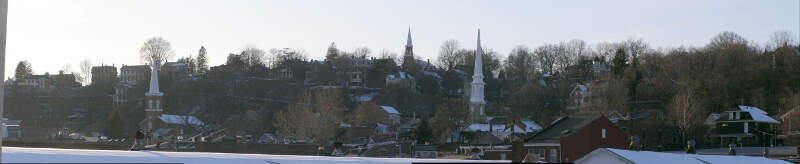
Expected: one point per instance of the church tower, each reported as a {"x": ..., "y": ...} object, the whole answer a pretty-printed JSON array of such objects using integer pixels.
[
  {"x": 408, "y": 55},
  {"x": 153, "y": 101},
  {"x": 477, "y": 104}
]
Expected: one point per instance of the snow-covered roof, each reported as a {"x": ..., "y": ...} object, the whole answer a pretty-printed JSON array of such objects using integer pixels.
[
  {"x": 401, "y": 75},
  {"x": 531, "y": 126},
  {"x": 390, "y": 110},
  {"x": 53, "y": 155},
  {"x": 496, "y": 128},
  {"x": 366, "y": 97},
  {"x": 177, "y": 119},
  {"x": 758, "y": 114},
  {"x": 630, "y": 156}
]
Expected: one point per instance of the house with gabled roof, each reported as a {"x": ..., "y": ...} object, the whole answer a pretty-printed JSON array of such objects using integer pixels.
[
  {"x": 568, "y": 138},
  {"x": 745, "y": 125}
]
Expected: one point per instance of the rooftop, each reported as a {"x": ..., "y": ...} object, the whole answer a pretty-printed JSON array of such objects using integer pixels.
[
  {"x": 564, "y": 126},
  {"x": 50, "y": 155}
]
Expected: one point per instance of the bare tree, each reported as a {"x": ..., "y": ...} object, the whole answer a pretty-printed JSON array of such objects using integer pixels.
[
  {"x": 156, "y": 48},
  {"x": 726, "y": 39},
  {"x": 636, "y": 47},
  {"x": 685, "y": 112},
  {"x": 362, "y": 52},
  {"x": 520, "y": 66},
  {"x": 610, "y": 96},
  {"x": 781, "y": 38},
  {"x": 448, "y": 54},
  {"x": 316, "y": 116},
  {"x": 86, "y": 70},
  {"x": 546, "y": 58},
  {"x": 448, "y": 119},
  {"x": 253, "y": 56},
  {"x": 369, "y": 113},
  {"x": 386, "y": 54}
]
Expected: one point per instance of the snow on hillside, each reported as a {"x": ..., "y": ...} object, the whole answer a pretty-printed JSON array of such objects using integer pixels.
[{"x": 50, "y": 155}]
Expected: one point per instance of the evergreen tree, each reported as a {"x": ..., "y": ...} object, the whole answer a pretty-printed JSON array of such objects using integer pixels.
[
  {"x": 620, "y": 61},
  {"x": 23, "y": 70},
  {"x": 423, "y": 133},
  {"x": 202, "y": 60}
]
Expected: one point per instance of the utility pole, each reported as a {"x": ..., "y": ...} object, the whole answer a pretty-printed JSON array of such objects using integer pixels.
[{"x": 3, "y": 33}]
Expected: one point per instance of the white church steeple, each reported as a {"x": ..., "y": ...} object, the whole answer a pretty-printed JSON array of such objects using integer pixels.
[
  {"x": 154, "y": 91},
  {"x": 153, "y": 108},
  {"x": 476, "y": 101}
]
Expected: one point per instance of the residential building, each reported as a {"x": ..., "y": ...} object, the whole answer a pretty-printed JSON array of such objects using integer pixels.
[
  {"x": 104, "y": 74},
  {"x": 133, "y": 74},
  {"x": 790, "y": 126},
  {"x": 744, "y": 126},
  {"x": 402, "y": 79},
  {"x": 177, "y": 70},
  {"x": 426, "y": 151},
  {"x": 48, "y": 82},
  {"x": 569, "y": 138},
  {"x": 579, "y": 97},
  {"x": 393, "y": 115},
  {"x": 12, "y": 130}
]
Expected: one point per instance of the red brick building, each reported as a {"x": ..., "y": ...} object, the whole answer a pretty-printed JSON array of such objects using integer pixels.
[{"x": 569, "y": 138}]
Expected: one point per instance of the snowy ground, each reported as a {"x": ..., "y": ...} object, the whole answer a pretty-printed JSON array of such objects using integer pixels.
[{"x": 50, "y": 155}]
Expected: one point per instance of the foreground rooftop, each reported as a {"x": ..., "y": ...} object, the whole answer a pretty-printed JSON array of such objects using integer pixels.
[{"x": 51, "y": 155}]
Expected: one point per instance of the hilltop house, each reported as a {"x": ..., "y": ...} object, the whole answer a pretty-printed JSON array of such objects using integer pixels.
[
  {"x": 402, "y": 79},
  {"x": 744, "y": 126}
]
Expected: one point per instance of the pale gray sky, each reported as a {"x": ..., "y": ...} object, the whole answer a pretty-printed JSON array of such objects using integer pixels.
[{"x": 51, "y": 33}]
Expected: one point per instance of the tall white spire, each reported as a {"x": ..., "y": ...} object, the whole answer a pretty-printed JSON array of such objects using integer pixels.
[
  {"x": 154, "y": 80},
  {"x": 476, "y": 97}
]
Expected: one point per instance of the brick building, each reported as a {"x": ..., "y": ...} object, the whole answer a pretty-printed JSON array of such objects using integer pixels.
[{"x": 569, "y": 138}]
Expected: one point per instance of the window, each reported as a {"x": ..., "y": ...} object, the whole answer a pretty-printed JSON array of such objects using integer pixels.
[
  {"x": 542, "y": 154},
  {"x": 530, "y": 151},
  {"x": 503, "y": 156},
  {"x": 150, "y": 104},
  {"x": 604, "y": 133},
  {"x": 553, "y": 155}
]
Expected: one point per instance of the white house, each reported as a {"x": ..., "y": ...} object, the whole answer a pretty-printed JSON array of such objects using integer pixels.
[
  {"x": 394, "y": 115},
  {"x": 617, "y": 156}
]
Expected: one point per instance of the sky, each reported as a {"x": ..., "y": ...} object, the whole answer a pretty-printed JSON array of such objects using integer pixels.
[{"x": 54, "y": 33}]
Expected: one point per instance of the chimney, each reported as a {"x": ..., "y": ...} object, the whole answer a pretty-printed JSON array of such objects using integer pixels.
[{"x": 690, "y": 147}]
